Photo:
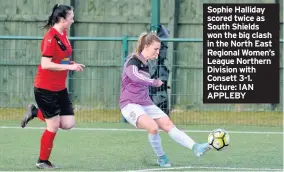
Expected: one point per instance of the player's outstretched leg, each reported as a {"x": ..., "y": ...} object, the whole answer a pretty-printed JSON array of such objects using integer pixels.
[
  {"x": 29, "y": 115},
  {"x": 200, "y": 149},
  {"x": 183, "y": 139}
]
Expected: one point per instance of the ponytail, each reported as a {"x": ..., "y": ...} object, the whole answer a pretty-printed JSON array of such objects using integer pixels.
[
  {"x": 50, "y": 21},
  {"x": 146, "y": 39},
  {"x": 141, "y": 43},
  {"x": 58, "y": 11}
]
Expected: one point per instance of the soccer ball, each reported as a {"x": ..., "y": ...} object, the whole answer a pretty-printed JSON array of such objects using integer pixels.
[{"x": 219, "y": 139}]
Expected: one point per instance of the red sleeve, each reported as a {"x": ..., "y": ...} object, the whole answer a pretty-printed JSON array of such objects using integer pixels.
[{"x": 48, "y": 45}]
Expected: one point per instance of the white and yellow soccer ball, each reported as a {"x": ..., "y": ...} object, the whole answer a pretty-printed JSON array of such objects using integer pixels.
[{"x": 219, "y": 139}]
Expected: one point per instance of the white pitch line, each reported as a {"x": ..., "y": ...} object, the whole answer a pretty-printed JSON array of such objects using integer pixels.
[
  {"x": 135, "y": 130},
  {"x": 215, "y": 168}
]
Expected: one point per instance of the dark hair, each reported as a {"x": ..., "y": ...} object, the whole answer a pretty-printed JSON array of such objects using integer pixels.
[
  {"x": 58, "y": 11},
  {"x": 146, "y": 39}
]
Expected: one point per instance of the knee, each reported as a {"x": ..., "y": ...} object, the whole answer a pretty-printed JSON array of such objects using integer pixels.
[
  {"x": 53, "y": 127},
  {"x": 67, "y": 125},
  {"x": 167, "y": 126},
  {"x": 67, "y": 122},
  {"x": 153, "y": 129}
]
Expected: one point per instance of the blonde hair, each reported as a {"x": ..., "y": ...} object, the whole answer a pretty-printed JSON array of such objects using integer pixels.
[{"x": 146, "y": 39}]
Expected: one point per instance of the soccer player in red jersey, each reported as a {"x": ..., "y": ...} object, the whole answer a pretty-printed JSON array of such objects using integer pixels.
[{"x": 51, "y": 95}]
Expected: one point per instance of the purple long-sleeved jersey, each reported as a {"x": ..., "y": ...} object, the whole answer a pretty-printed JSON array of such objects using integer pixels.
[{"x": 135, "y": 82}]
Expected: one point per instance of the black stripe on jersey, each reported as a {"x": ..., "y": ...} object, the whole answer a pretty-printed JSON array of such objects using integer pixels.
[
  {"x": 47, "y": 56},
  {"x": 60, "y": 43},
  {"x": 135, "y": 61}
]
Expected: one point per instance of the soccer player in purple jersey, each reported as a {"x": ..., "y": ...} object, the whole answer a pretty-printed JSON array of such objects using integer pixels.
[{"x": 137, "y": 107}]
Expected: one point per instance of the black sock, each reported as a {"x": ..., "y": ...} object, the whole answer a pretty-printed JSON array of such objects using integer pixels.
[
  {"x": 34, "y": 112},
  {"x": 41, "y": 161}
]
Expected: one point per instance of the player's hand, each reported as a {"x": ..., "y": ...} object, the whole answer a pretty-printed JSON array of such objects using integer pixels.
[
  {"x": 158, "y": 82},
  {"x": 76, "y": 67}
]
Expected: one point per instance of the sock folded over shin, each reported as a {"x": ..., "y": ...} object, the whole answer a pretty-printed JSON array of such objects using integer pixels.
[{"x": 156, "y": 143}]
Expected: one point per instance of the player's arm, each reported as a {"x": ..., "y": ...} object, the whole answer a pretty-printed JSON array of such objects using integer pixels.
[
  {"x": 48, "y": 46},
  {"x": 133, "y": 73},
  {"x": 47, "y": 64}
]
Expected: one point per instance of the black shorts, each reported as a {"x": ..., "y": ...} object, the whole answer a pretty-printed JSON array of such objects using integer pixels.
[{"x": 53, "y": 103}]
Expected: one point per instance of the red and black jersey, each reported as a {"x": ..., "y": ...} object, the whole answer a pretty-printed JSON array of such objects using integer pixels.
[{"x": 57, "y": 47}]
